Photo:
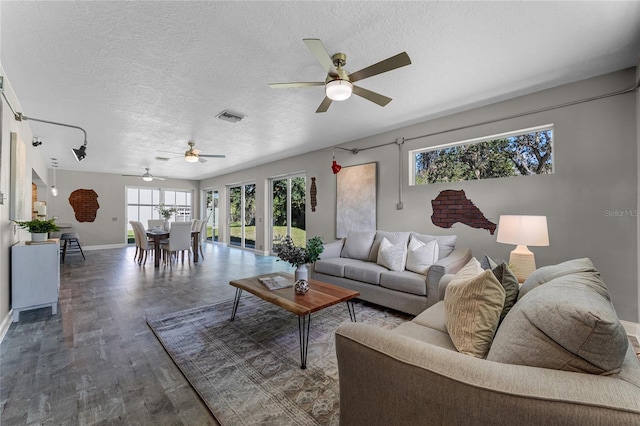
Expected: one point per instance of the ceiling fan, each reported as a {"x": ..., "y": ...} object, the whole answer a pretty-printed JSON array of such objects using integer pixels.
[
  {"x": 193, "y": 155},
  {"x": 339, "y": 84},
  {"x": 147, "y": 176}
]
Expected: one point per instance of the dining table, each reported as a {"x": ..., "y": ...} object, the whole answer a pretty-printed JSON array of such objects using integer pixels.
[{"x": 160, "y": 234}]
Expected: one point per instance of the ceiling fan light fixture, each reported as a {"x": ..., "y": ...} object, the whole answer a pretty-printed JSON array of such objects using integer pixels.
[
  {"x": 191, "y": 157},
  {"x": 338, "y": 90},
  {"x": 147, "y": 178}
]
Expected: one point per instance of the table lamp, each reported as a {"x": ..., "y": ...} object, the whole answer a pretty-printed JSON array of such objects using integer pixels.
[{"x": 523, "y": 231}]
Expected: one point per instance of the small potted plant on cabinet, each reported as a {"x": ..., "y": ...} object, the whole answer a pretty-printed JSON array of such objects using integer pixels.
[{"x": 39, "y": 229}]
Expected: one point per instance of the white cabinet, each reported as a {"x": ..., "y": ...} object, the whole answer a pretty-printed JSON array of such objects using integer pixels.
[{"x": 35, "y": 277}]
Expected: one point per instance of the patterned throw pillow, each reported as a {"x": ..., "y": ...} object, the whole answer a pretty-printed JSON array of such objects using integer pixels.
[
  {"x": 421, "y": 256},
  {"x": 392, "y": 256},
  {"x": 473, "y": 303}
]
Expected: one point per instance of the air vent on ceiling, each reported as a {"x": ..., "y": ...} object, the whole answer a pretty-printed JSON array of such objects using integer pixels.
[
  {"x": 162, "y": 159},
  {"x": 233, "y": 117}
]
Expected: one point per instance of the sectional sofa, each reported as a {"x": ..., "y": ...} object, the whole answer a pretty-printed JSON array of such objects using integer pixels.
[
  {"x": 400, "y": 270},
  {"x": 559, "y": 356}
]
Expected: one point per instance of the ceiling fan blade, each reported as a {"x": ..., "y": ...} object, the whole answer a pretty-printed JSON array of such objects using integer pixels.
[
  {"x": 397, "y": 61},
  {"x": 133, "y": 175},
  {"x": 324, "y": 106},
  {"x": 202, "y": 160},
  {"x": 295, "y": 84},
  {"x": 212, "y": 155},
  {"x": 371, "y": 96},
  {"x": 320, "y": 52},
  {"x": 158, "y": 178}
]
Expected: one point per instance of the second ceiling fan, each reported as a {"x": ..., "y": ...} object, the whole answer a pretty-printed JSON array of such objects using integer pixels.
[
  {"x": 193, "y": 155},
  {"x": 339, "y": 84}
]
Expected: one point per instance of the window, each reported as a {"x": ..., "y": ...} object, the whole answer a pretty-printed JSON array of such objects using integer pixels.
[
  {"x": 288, "y": 200},
  {"x": 141, "y": 203},
  {"x": 521, "y": 153}
]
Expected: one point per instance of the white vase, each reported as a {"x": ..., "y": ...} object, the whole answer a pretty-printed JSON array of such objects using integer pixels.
[
  {"x": 39, "y": 236},
  {"x": 302, "y": 273},
  {"x": 167, "y": 225}
]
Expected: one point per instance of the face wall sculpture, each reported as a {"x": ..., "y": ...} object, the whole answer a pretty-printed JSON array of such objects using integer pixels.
[{"x": 85, "y": 204}]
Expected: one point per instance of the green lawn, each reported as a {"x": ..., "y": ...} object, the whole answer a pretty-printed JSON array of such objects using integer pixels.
[{"x": 299, "y": 236}]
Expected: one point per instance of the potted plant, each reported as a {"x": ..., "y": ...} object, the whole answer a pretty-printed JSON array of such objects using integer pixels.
[
  {"x": 298, "y": 256},
  {"x": 39, "y": 229},
  {"x": 166, "y": 213}
]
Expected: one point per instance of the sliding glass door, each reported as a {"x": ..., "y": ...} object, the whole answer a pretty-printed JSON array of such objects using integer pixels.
[
  {"x": 212, "y": 212},
  {"x": 288, "y": 199},
  {"x": 242, "y": 215}
]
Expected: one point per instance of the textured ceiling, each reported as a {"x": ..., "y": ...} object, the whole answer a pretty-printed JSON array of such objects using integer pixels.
[{"x": 145, "y": 77}]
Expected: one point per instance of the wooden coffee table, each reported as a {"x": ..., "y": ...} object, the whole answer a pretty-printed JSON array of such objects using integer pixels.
[{"x": 320, "y": 295}]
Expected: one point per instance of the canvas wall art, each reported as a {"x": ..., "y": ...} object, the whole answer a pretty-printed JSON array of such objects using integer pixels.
[
  {"x": 356, "y": 199},
  {"x": 18, "y": 174}
]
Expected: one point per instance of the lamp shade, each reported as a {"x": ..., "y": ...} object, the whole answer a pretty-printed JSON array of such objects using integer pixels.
[
  {"x": 338, "y": 90},
  {"x": 523, "y": 230}
]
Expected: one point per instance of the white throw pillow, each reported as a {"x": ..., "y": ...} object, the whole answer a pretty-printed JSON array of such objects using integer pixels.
[
  {"x": 392, "y": 256},
  {"x": 421, "y": 256}
]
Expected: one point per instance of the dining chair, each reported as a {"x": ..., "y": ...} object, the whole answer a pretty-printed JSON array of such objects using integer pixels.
[
  {"x": 202, "y": 236},
  {"x": 195, "y": 224},
  {"x": 152, "y": 223},
  {"x": 142, "y": 242},
  {"x": 179, "y": 241},
  {"x": 136, "y": 239}
]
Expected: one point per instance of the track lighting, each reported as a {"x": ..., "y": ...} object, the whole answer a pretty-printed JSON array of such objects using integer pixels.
[{"x": 79, "y": 153}]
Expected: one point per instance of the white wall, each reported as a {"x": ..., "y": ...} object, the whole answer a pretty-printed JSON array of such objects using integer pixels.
[
  {"x": 596, "y": 160},
  {"x": 9, "y": 233}
]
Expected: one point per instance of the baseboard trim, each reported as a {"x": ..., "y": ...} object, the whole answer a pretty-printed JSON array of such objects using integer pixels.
[
  {"x": 633, "y": 330},
  {"x": 6, "y": 323},
  {"x": 106, "y": 246}
]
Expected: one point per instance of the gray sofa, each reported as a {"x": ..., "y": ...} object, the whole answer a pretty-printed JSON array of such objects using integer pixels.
[
  {"x": 410, "y": 286},
  {"x": 559, "y": 357}
]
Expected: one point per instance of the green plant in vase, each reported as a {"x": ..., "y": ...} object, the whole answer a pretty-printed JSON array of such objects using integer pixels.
[
  {"x": 299, "y": 257},
  {"x": 39, "y": 229}
]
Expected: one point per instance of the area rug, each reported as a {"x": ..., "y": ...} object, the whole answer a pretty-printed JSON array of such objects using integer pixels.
[{"x": 248, "y": 371}]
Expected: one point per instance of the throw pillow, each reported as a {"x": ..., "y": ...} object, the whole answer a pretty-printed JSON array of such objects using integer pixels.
[
  {"x": 421, "y": 256},
  {"x": 394, "y": 237},
  {"x": 392, "y": 256},
  {"x": 488, "y": 263},
  {"x": 563, "y": 325},
  {"x": 473, "y": 302},
  {"x": 446, "y": 243},
  {"x": 509, "y": 282},
  {"x": 358, "y": 244}
]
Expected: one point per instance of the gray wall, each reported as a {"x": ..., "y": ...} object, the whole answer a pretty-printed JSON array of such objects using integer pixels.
[
  {"x": 110, "y": 224},
  {"x": 596, "y": 162}
]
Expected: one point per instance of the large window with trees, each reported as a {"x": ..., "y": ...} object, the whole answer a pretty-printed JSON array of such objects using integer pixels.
[
  {"x": 288, "y": 200},
  {"x": 520, "y": 153}
]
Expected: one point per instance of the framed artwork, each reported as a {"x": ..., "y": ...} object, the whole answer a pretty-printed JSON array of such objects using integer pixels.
[
  {"x": 356, "y": 199},
  {"x": 18, "y": 174}
]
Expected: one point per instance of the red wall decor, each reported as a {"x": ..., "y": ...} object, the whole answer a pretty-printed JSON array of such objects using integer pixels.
[
  {"x": 85, "y": 204},
  {"x": 451, "y": 206}
]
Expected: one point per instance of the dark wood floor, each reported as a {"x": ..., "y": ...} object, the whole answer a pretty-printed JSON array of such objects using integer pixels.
[{"x": 96, "y": 361}]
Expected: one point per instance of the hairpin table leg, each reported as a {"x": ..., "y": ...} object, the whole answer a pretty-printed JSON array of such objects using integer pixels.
[
  {"x": 304, "y": 323},
  {"x": 236, "y": 301}
]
